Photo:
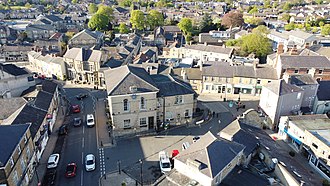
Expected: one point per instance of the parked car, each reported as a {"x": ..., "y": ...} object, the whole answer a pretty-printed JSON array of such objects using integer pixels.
[
  {"x": 81, "y": 96},
  {"x": 49, "y": 178},
  {"x": 185, "y": 145},
  {"x": 90, "y": 162},
  {"x": 75, "y": 108},
  {"x": 164, "y": 162},
  {"x": 63, "y": 130},
  {"x": 71, "y": 169},
  {"x": 196, "y": 138},
  {"x": 53, "y": 161},
  {"x": 90, "y": 120},
  {"x": 76, "y": 122}
]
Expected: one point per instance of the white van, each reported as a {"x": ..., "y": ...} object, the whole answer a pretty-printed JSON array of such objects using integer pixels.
[{"x": 90, "y": 120}]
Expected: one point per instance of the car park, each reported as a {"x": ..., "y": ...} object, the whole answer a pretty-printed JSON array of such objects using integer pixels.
[
  {"x": 49, "y": 178},
  {"x": 71, "y": 170},
  {"x": 53, "y": 161},
  {"x": 164, "y": 162},
  {"x": 63, "y": 130},
  {"x": 81, "y": 96},
  {"x": 76, "y": 122},
  {"x": 90, "y": 120},
  {"x": 75, "y": 109},
  {"x": 90, "y": 162}
]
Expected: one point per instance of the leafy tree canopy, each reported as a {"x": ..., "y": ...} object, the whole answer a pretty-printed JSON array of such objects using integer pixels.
[
  {"x": 123, "y": 29},
  {"x": 154, "y": 19},
  {"x": 99, "y": 22},
  {"x": 137, "y": 19},
  {"x": 105, "y": 10},
  {"x": 92, "y": 8},
  {"x": 232, "y": 19}
]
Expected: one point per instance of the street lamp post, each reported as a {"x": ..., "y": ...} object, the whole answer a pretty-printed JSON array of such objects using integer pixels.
[{"x": 141, "y": 174}]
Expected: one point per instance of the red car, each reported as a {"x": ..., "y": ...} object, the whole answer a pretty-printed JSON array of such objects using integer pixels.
[
  {"x": 75, "y": 109},
  {"x": 71, "y": 169}
]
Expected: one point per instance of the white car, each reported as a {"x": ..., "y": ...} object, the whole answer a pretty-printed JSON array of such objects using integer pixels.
[
  {"x": 90, "y": 162},
  {"x": 90, "y": 120},
  {"x": 164, "y": 162},
  {"x": 185, "y": 145},
  {"x": 53, "y": 161}
]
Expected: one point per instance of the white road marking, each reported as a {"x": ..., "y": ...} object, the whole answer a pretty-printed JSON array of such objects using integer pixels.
[
  {"x": 102, "y": 162},
  {"x": 83, "y": 129},
  {"x": 82, "y": 178},
  {"x": 82, "y": 158},
  {"x": 82, "y": 145}
]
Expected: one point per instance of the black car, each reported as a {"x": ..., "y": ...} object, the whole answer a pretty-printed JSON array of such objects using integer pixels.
[
  {"x": 81, "y": 96},
  {"x": 76, "y": 122},
  {"x": 63, "y": 130},
  {"x": 49, "y": 178}
]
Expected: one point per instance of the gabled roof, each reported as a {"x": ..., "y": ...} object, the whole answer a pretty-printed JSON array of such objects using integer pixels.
[
  {"x": 301, "y": 80},
  {"x": 119, "y": 80},
  {"x": 215, "y": 154},
  {"x": 121, "y": 9},
  {"x": 49, "y": 86},
  {"x": 211, "y": 48},
  {"x": 12, "y": 105},
  {"x": 12, "y": 69},
  {"x": 171, "y": 86},
  {"x": 300, "y": 34},
  {"x": 43, "y": 100},
  {"x": 304, "y": 61},
  {"x": 32, "y": 115},
  {"x": 53, "y": 18},
  {"x": 171, "y": 28},
  {"x": 10, "y": 136},
  {"x": 87, "y": 34},
  {"x": 40, "y": 27},
  {"x": 323, "y": 91},
  {"x": 82, "y": 54},
  {"x": 280, "y": 87}
]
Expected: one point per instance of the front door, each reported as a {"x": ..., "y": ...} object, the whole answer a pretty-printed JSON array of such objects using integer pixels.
[{"x": 151, "y": 122}]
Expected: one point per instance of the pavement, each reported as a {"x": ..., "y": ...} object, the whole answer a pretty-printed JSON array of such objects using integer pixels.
[{"x": 42, "y": 166}]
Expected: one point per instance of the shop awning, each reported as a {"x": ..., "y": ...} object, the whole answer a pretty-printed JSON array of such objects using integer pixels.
[{"x": 292, "y": 136}]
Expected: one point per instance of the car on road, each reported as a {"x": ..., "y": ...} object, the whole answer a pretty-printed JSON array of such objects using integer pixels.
[
  {"x": 71, "y": 170},
  {"x": 90, "y": 120},
  {"x": 196, "y": 138},
  {"x": 81, "y": 96},
  {"x": 53, "y": 161},
  {"x": 63, "y": 130},
  {"x": 90, "y": 162},
  {"x": 49, "y": 178},
  {"x": 164, "y": 162},
  {"x": 76, "y": 122},
  {"x": 185, "y": 145},
  {"x": 75, "y": 108}
]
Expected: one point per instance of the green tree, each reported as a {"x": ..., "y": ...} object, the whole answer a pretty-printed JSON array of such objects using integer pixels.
[
  {"x": 74, "y": 1},
  {"x": 27, "y": 5},
  {"x": 290, "y": 26},
  {"x": 287, "y": 6},
  {"x": 262, "y": 29},
  {"x": 319, "y": 2},
  {"x": 125, "y": 3},
  {"x": 254, "y": 10},
  {"x": 308, "y": 27},
  {"x": 255, "y": 43},
  {"x": 123, "y": 29},
  {"x": 285, "y": 17},
  {"x": 92, "y": 8},
  {"x": 254, "y": 21},
  {"x": 232, "y": 19},
  {"x": 206, "y": 24},
  {"x": 321, "y": 23},
  {"x": 106, "y": 10},
  {"x": 232, "y": 42},
  {"x": 137, "y": 20},
  {"x": 154, "y": 19},
  {"x": 325, "y": 30},
  {"x": 186, "y": 26},
  {"x": 267, "y": 4},
  {"x": 314, "y": 30},
  {"x": 99, "y": 22}
]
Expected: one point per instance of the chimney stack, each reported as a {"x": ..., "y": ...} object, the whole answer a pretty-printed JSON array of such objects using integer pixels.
[{"x": 280, "y": 48}]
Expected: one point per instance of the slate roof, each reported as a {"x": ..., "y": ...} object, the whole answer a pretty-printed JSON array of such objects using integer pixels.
[
  {"x": 171, "y": 28},
  {"x": 304, "y": 62},
  {"x": 53, "y": 18},
  {"x": 43, "y": 100},
  {"x": 86, "y": 35},
  {"x": 242, "y": 176},
  {"x": 40, "y": 27},
  {"x": 13, "y": 69},
  {"x": 192, "y": 73},
  {"x": 32, "y": 115},
  {"x": 170, "y": 86},
  {"x": 300, "y": 34},
  {"x": 323, "y": 91},
  {"x": 119, "y": 80},
  {"x": 121, "y": 9},
  {"x": 224, "y": 69},
  {"x": 82, "y": 54},
  {"x": 280, "y": 87},
  {"x": 17, "y": 48},
  {"x": 211, "y": 48},
  {"x": 300, "y": 80},
  {"x": 10, "y": 136},
  {"x": 213, "y": 153},
  {"x": 49, "y": 86}
]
